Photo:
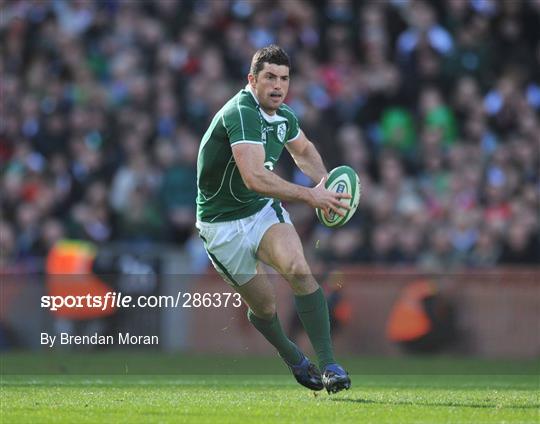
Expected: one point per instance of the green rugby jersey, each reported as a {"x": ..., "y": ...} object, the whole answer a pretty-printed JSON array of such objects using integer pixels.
[{"x": 222, "y": 194}]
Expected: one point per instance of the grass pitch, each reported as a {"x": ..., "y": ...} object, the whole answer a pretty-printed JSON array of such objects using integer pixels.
[{"x": 142, "y": 388}]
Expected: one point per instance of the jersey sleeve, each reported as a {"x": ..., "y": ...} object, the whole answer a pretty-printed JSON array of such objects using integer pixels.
[{"x": 242, "y": 125}]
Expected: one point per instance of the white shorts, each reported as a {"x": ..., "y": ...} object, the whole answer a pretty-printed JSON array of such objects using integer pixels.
[{"x": 232, "y": 245}]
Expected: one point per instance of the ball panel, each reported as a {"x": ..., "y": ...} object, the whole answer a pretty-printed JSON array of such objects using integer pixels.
[
  {"x": 341, "y": 185},
  {"x": 342, "y": 179}
]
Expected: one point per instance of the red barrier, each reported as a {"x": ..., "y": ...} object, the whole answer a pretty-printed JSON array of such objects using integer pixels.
[{"x": 498, "y": 313}]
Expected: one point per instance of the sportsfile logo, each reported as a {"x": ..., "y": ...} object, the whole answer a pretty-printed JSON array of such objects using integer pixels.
[{"x": 119, "y": 300}]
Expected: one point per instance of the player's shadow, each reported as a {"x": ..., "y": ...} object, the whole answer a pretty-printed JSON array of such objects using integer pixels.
[{"x": 457, "y": 404}]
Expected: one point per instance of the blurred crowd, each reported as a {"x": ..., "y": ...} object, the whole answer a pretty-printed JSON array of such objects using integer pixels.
[{"x": 435, "y": 104}]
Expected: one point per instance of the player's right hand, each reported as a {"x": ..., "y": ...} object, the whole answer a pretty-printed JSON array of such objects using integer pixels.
[{"x": 328, "y": 200}]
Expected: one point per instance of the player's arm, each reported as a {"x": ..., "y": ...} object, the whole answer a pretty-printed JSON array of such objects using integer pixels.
[
  {"x": 306, "y": 157},
  {"x": 249, "y": 159}
]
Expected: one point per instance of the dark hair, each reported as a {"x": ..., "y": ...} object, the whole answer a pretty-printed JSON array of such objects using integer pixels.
[{"x": 269, "y": 54}]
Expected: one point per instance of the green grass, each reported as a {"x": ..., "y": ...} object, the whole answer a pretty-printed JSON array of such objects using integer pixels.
[{"x": 33, "y": 390}]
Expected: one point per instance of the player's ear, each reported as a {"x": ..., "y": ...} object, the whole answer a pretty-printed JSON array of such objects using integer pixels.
[{"x": 252, "y": 79}]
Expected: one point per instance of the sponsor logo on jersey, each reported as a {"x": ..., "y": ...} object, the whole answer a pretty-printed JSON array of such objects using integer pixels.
[{"x": 265, "y": 130}]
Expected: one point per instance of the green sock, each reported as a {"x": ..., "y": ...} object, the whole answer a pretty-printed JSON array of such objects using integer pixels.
[
  {"x": 313, "y": 312},
  {"x": 273, "y": 332}
]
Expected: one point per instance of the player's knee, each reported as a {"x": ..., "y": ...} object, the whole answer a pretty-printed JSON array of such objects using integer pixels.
[
  {"x": 299, "y": 276},
  {"x": 297, "y": 267}
]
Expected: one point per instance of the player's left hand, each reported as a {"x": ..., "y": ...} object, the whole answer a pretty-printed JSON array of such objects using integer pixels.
[{"x": 328, "y": 200}]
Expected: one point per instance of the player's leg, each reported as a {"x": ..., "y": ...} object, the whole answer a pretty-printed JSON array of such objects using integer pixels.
[
  {"x": 230, "y": 250},
  {"x": 259, "y": 295},
  {"x": 281, "y": 248}
]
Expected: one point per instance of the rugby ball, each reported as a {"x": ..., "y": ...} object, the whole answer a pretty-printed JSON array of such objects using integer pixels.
[{"x": 342, "y": 179}]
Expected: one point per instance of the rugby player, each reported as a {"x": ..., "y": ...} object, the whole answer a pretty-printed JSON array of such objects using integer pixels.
[{"x": 242, "y": 222}]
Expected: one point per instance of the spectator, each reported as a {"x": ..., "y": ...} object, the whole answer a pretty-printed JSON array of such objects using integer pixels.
[
  {"x": 177, "y": 193},
  {"x": 485, "y": 252},
  {"x": 521, "y": 246},
  {"x": 440, "y": 254}
]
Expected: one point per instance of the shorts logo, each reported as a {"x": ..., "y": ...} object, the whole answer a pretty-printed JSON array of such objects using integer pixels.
[{"x": 281, "y": 131}]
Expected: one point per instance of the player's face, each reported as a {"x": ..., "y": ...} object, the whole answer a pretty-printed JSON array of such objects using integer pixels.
[{"x": 271, "y": 86}]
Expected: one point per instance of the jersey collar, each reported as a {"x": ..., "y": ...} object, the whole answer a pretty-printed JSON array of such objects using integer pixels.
[
  {"x": 269, "y": 118},
  {"x": 248, "y": 88}
]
